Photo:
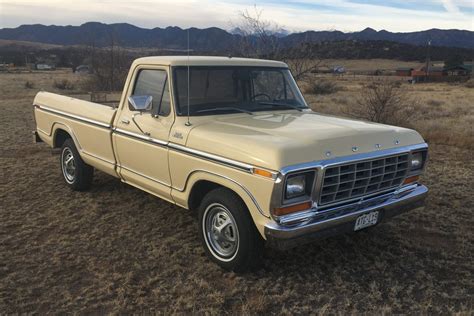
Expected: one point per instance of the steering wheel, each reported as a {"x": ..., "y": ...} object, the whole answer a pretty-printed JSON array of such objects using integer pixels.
[{"x": 262, "y": 95}]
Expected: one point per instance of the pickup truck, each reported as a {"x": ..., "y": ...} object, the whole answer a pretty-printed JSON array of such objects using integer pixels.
[{"x": 233, "y": 140}]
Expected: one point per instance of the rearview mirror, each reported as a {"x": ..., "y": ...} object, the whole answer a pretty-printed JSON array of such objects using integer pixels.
[{"x": 141, "y": 102}]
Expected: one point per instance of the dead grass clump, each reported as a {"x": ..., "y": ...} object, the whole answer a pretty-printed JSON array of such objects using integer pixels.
[
  {"x": 64, "y": 85},
  {"x": 383, "y": 102},
  {"x": 340, "y": 100},
  {"x": 469, "y": 83},
  {"x": 322, "y": 87},
  {"x": 435, "y": 103},
  {"x": 29, "y": 85}
]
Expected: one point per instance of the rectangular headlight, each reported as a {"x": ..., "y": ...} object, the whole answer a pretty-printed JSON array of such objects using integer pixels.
[
  {"x": 299, "y": 185},
  {"x": 416, "y": 162}
]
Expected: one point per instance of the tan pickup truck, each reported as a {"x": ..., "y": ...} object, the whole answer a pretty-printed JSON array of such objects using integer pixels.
[{"x": 234, "y": 140}]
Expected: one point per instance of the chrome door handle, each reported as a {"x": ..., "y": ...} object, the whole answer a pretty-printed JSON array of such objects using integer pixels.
[{"x": 125, "y": 121}]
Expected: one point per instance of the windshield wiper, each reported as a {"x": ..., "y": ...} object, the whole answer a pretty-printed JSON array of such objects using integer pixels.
[
  {"x": 299, "y": 108},
  {"x": 228, "y": 108}
]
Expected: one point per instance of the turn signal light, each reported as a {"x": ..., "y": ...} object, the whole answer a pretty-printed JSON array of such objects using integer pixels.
[
  {"x": 263, "y": 173},
  {"x": 411, "y": 179},
  {"x": 292, "y": 209}
]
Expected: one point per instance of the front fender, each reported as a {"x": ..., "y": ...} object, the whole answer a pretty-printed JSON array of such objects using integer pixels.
[{"x": 181, "y": 196}]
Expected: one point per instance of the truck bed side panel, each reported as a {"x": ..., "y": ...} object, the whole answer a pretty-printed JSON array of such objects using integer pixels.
[{"x": 89, "y": 124}]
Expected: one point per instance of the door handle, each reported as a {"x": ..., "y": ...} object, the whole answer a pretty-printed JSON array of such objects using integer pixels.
[{"x": 125, "y": 121}]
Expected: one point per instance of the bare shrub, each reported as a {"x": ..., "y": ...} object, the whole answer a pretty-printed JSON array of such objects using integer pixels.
[
  {"x": 109, "y": 66},
  {"x": 320, "y": 87},
  {"x": 383, "y": 102},
  {"x": 64, "y": 85},
  {"x": 257, "y": 35},
  {"x": 259, "y": 39},
  {"x": 435, "y": 103},
  {"x": 29, "y": 85}
]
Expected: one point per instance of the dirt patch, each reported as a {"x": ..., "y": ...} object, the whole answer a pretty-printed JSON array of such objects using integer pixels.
[{"x": 118, "y": 249}]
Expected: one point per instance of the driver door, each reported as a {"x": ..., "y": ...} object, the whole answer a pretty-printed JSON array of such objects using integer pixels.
[{"x": 141, "y": 136}]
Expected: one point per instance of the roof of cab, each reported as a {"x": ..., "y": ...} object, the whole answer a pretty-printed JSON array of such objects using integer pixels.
[{"x": 207, "y": 61}]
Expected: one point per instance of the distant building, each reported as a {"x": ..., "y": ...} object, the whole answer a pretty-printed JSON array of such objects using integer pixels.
[
  {"x": 44, "y": 67},
  {"x": 431, "y": 74},
  {"x": 460, "y": 70},
  {"x": 6, "y": 66},
  {"x": 404, "y": 71}
]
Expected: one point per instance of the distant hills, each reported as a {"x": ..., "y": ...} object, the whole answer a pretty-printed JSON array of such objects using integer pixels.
[{"x": 213, "y": 39}]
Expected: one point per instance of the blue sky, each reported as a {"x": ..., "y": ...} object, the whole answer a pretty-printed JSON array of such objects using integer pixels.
[{"x": 293, "y": 15}]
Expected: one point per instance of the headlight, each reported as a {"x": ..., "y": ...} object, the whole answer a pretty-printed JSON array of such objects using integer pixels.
[
  {"x": 295, "y": 186},
  {"x": 298, "y": 185},
  {"x": 416, "y": 161}
]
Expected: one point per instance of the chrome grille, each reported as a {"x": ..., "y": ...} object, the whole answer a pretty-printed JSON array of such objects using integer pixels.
[{"x": 356, "y": 179}]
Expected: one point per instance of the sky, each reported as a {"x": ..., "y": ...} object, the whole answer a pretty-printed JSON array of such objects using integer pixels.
[{"x": 292, "y": 15}]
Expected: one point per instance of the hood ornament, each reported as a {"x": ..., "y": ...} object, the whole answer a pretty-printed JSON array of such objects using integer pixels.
[
  {"x": 355, "y": 148},
  {"x": 396, "y": 141},
  {"x": 328, "y": 154},
  {"x": 378, "y": 146}
]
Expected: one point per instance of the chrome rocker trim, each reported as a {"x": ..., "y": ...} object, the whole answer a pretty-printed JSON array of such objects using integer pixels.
[{"x": 342, "y": 219}]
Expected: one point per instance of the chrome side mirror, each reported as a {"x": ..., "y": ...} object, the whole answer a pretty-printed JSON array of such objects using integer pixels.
[{"x": 141, "y": 102}]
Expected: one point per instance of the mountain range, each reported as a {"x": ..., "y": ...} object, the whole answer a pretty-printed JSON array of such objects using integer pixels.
[{"x": 213, "y": 39}]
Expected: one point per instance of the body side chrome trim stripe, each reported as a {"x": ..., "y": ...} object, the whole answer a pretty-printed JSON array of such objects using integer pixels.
[
  {"x": 193, "y": 152},
  {"x": 197, "y": 153},
  {"x": 140, "y": 137},
  {"x": 212, "y": 157},
  {"x": 72, "y": 116}
]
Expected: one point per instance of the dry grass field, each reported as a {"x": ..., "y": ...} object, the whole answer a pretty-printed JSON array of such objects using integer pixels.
[{"x": 117, "y": 249}]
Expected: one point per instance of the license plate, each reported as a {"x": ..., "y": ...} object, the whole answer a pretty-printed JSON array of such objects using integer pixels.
[{"x": 366, "y": 220}]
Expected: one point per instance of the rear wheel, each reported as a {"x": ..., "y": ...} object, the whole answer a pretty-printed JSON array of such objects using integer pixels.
[
  {"x": 228, "y": 233},
  {"x": 77, "y": 174}
]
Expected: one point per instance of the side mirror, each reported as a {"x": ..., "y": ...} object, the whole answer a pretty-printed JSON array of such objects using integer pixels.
[{"x": 141, "y": 102}]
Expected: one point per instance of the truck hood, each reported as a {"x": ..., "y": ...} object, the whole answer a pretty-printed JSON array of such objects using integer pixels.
[{"x": 275, "y": 140}]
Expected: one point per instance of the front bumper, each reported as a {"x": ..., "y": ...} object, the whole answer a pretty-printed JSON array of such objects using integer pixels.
[{"x": 342, "y": 220}]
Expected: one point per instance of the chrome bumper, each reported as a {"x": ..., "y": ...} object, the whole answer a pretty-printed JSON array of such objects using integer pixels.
[{"x": 342, "y": 220}]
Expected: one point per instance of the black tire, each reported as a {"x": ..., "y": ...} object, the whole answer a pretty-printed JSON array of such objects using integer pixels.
[
  {"x": 79, "y": 177},
  {"x": 248, "y": 253}
]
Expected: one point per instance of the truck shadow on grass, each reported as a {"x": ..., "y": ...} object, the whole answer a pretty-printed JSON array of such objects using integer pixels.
[{"x": 378, "y": 250}]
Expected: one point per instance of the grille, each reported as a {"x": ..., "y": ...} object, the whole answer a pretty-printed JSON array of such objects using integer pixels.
[{"x": 352, "y": 180}]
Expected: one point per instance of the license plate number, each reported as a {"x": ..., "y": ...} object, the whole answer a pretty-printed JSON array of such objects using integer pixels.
[{"x": 366, "y": 220}]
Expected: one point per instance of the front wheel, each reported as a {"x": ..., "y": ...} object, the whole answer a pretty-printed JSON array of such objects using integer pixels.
[
  {"x": 77, "y": 174},
  {"x": 228, "y": 233}
]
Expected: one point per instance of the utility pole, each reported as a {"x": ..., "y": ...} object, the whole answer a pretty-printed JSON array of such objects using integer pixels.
[{"x": 428, "y": 61}]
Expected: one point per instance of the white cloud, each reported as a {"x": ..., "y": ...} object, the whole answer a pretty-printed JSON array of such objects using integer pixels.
[
  {"x": 346, "y": 15},
  {"x": 450, "y": 6}
]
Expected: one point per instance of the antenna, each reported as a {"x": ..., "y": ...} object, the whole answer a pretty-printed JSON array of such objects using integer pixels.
[{"x": 188, "y": 123}]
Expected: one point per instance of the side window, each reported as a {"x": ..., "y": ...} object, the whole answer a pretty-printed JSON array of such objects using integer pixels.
[{"x": 154, "y": 83}]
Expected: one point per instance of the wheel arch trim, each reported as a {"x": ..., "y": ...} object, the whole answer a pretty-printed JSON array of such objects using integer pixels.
[{"x": 205, "y": 175}]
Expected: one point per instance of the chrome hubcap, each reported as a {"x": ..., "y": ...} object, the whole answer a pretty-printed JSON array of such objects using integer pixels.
[
  {"x": 68, "y": 165},
  {"x": 222, "y": 235}
]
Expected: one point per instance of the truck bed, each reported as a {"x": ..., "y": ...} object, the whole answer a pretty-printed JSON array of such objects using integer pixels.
[
  {"x": 89, "y": 124},
  {"x": 89, "y": 110}
]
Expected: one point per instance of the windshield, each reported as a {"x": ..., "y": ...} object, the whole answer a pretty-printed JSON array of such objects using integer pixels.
[{"x": 221, "y": 90}]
